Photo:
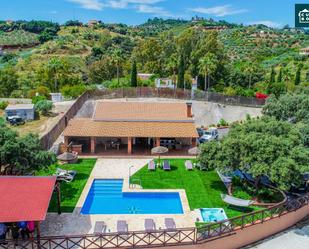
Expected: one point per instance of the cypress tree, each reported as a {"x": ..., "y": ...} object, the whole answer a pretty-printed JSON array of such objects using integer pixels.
[
  {"x": 181, "y": 73},
  {"x": 279, "y": 78},
  {"x": 297, "y": 75},
  {"x": 134, "y": 75},
  {"x": 200, "y": 82},
  {"x": 272, "y": 75}
]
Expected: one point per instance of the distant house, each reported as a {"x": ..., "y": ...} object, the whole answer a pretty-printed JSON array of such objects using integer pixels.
[
  {"x": 56, "y": 97},
  {"x": 25, "y": 111},
  {"x": 93, "y": 22},
  {"x": 164, "y": 83},
  {"x": 9, "y": 22},
  {"x": 144, "y": 76},
  {"x": 304, "y": 51}
]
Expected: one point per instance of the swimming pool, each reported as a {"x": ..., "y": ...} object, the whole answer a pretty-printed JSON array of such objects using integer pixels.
[
  {"x": 106, "y": 197},
  {"x": 213, "y": 214}
]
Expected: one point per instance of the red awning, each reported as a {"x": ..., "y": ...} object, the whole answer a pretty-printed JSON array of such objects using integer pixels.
[{"x": 24, "y": 198}]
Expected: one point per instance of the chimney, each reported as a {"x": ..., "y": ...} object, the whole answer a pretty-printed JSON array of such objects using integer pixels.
[{"x": 189, "y": 109}]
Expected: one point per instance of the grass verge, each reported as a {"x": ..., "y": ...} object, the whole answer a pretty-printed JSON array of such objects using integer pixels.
[
  {"x": 203, "y": 188},
  {"x": 70, "y": 192}
]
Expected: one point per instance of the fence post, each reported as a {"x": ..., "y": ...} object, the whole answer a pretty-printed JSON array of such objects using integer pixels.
[{"x": 195, "y": 235}]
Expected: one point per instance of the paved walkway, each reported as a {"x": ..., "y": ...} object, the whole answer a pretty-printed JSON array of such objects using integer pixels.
[{"x": 76, "y": 224}]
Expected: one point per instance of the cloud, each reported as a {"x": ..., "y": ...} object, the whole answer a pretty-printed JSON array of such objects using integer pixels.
[
  {"x": 223, "y": 10},
  {"x": 268, "y": 23},
  {"x": 89, "y": 4},
  {"x": 153, "y": 10},
  {"x": 121, "y": 4}
]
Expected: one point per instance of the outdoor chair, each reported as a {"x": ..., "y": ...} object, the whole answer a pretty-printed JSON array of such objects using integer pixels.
[
  {"x": 188, "y": 165},
  {"x": 63, "y": 172},
  {"x": 151, "y": 165},
  {"x": 170, "y": 224},
  {"x": 65, "y": 178},
  {"x": 65, "y": 175},
  {"x": 149, "y": 225},
  {"x": 166, "y": 165},
  {"x": 122, "y": 227},
  {"x": 99, "y": 227}
]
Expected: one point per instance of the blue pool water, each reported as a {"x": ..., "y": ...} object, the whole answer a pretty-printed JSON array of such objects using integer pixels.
[
  {"x": 213, "y": 214},
  {"x": 106, "y": 197}
]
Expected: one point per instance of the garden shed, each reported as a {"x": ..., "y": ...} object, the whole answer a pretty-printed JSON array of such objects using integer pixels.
[{"x": 25, "y": 111}]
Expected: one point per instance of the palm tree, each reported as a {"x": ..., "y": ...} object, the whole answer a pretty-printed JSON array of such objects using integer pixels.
[
  {"x": 172, "y": 65},
  {"x": 208, "y": 65},
  {"x": 55, "y": 65},
  {"x": 117, "y": 58},
  {"x": 250, "y": 69}
]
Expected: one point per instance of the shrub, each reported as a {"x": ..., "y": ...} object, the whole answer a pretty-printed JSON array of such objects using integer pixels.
[
  {"x": 36, "y": 99},
  {"x": 223, "y": 122},
  {"x": 229, "y": 91},
  {"x": 44, "y": 106},
  {"x": 73, "y": 91},
  {"x": 3, "y": 104}
]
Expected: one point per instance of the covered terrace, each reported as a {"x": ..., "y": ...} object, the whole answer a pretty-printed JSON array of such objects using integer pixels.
[{"x": 129, "y": 137}]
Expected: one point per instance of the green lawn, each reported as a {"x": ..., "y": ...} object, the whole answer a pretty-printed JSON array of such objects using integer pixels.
[
  {"x": 70, "y": 192},
  {"x": 203, "y": 188}
]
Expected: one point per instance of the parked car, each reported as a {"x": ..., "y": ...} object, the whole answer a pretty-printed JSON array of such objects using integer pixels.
[
  {"x": 15, "y": 120},
  {"x": 200, "y": 131},
  {"x": 210, "y": 134}
]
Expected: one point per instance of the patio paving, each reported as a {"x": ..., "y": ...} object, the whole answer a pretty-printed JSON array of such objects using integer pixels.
[{"x": 76, "y": 223}]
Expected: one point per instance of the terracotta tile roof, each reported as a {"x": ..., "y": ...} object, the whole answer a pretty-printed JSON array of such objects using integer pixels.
[
  {"x": 85, "y": 127},
  {"x": 25, "y": 198},
  {"x": 141, "y": 111}
]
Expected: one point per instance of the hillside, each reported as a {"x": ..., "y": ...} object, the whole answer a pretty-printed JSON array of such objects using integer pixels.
[{"x": 235, "y": 59}]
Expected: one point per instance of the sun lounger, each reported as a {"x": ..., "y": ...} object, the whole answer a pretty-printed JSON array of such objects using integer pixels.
[
  {"x": 149, "y": 225},
  {"x": 122, "y": 226},
  {"x": 169, "y": 224},
  {"x": 151, "y": 165},
  {"x": 166, "y": 165},
  {"x": 61, "y": 172},
  {"x": 65, "y": 178},
  {"x": 99, "y": 227},
  {"x": 189, "y": 165},
  {"x": 236, "y": 201}
]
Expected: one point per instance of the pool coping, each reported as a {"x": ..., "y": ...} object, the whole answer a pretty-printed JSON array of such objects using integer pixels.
[{"x": 126, "y": 188}]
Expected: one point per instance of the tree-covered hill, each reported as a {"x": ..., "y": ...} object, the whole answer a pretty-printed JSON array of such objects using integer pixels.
[{"x": 229, "y": 58}]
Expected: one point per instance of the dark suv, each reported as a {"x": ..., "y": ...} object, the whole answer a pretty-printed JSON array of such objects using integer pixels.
[{"x": 15, "y": 120}]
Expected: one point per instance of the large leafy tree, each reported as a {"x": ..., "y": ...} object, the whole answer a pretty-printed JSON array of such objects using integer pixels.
[
  {"x": 8, "y": 81},
  {"x": 260, "y": 147},
  {"x": 22, "y": 153},
  {"x": 288, "y": 107},
  {"x": 148, "y": 54}
]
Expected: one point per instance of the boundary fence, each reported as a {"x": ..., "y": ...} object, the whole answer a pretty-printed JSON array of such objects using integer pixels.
[
  {"x": 51, "y": 136},
  {"x": 162, "y": 238}
]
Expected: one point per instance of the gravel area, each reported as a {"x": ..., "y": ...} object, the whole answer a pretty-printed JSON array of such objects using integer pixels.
[{"x": 205, "y": 113}]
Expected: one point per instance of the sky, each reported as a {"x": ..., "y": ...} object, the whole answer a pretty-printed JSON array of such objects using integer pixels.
[{"x": 274, "y": 13}]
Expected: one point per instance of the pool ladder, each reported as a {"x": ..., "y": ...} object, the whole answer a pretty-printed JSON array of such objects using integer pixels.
[{"x": 134, "y": 182}]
